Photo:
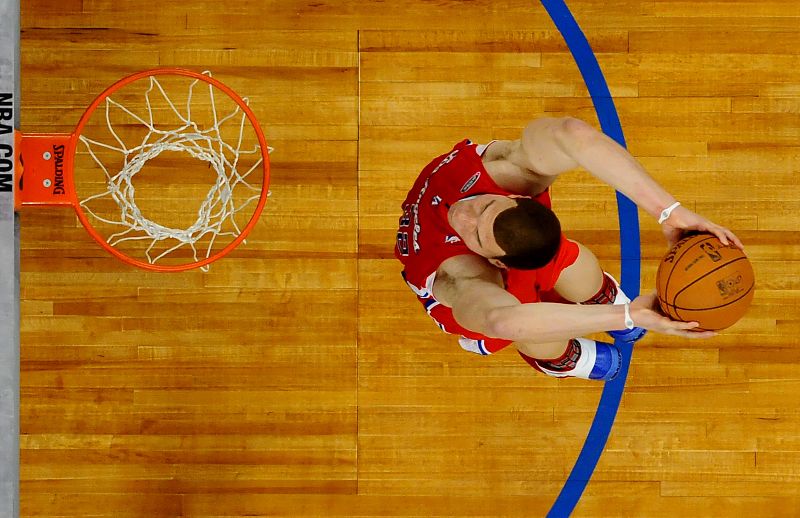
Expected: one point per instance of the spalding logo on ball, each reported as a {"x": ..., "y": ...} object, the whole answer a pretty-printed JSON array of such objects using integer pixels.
[{"x": 701, "y": 280}]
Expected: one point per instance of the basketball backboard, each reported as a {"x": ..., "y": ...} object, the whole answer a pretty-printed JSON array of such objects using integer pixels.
[{"x": 9, "y": 262}]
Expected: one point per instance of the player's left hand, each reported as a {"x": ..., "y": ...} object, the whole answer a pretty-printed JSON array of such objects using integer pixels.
[
  {"x": 646, "y": 313},
  {"x": 683, "y": 220}
]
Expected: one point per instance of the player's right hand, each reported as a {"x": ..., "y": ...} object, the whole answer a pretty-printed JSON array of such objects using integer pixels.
[
  {"x": 646, "y": 313},
  {"x": 683, "y": 220}
]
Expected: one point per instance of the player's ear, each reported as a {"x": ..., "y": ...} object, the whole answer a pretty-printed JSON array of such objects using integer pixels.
[{"x": 497, "y": 263}]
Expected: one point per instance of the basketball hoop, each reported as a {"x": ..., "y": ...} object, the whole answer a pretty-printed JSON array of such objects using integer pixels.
[{"x": 174, "y": 169}]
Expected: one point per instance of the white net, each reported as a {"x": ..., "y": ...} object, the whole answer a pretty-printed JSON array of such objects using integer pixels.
[{"x": 174, "y": 120}]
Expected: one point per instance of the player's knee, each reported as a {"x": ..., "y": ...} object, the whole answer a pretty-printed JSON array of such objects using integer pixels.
[
  {"x": 497, "y": 324},
  {"x": 581, "y": 279},
  {"x": 542, "y": 350}
]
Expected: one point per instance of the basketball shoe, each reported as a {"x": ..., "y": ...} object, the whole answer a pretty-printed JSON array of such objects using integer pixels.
[{"x": 584, "y": 358}]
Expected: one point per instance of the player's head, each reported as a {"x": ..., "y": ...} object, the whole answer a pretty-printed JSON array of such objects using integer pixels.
[{"x": 511, "y": 232}]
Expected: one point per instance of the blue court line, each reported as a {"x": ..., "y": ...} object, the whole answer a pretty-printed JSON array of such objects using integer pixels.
[{"x": 630, "y": 253}]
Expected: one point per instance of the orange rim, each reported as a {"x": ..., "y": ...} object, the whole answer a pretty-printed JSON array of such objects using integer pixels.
[{"x": 264, "y": 164}]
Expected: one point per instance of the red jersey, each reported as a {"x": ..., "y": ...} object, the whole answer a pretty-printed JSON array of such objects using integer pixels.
[{"x": 425, "y": 238}]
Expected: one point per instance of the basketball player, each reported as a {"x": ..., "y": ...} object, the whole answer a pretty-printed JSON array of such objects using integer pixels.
[{"x": 486, "y": 256}]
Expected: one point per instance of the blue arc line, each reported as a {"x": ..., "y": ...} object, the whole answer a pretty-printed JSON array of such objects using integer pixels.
[{"x": 630, "y": 254}]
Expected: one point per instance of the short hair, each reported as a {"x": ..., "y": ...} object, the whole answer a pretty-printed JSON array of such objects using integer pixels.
[{"x": 529, "y": 234}]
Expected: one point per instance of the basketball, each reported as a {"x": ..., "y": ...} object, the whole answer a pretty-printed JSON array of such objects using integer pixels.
[{"x": 701, "y": 280}]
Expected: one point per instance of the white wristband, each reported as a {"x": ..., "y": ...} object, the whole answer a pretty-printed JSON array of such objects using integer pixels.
[
  {"x": 628, "y": 320},
  {"x": 666, "y": 212}
]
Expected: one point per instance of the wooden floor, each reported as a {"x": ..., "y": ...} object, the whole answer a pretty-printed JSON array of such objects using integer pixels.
[{"x": 299, "y": 377}]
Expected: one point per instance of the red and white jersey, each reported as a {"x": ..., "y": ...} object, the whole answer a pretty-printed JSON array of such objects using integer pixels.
[{"x": 425, "y": 238}]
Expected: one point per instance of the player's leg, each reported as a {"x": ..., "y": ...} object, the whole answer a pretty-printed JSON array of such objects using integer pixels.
[
  {"x": 582, "y": 358},
  {"x": 541, "y": 351},
  {"x": 585, "y": 282},
  {"x": 581, "y": 280}
]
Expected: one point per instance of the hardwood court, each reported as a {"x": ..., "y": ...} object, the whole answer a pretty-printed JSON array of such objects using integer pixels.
[{"x": 299, "y": 377}]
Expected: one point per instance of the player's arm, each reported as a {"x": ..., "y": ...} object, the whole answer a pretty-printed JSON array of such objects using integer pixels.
[
  {"x": 474, "y": 290},
  {"x": 550, "y": 147}
]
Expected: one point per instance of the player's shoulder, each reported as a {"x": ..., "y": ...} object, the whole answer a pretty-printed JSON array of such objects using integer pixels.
[
  {"x": 460, "y": 270},
  {"x": 464, "y": 263},
  {"x": 466, "y": 266}
]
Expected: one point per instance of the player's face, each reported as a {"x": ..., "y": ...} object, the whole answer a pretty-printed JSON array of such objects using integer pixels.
[{"x": 473, "y": 219}]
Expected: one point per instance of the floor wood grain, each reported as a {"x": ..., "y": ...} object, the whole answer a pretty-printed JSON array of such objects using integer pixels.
[{"x": 299, "y": 377}]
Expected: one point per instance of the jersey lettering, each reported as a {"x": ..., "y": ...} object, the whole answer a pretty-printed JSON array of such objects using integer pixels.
[
  {"x": 405, "y": 219},
  {"x": 414, "y": 208},
  {"x": 402, "y": 243}
]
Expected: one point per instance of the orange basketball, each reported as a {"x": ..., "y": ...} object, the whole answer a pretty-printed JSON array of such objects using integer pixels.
[{"x": 701, "y": 280}]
